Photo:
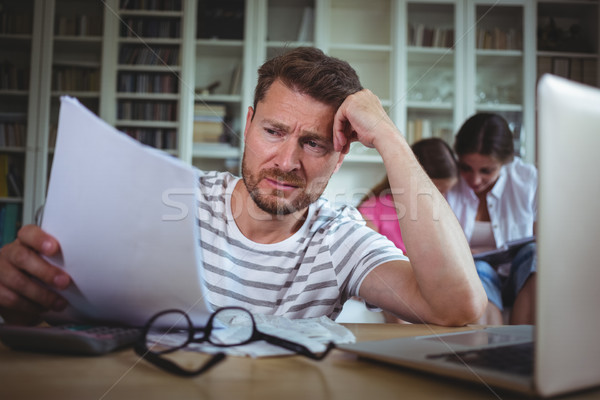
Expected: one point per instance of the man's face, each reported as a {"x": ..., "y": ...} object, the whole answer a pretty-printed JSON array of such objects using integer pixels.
[{"x": 288, "y": 155}]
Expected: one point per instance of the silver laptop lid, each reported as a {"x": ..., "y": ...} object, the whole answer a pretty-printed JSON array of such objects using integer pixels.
[{"x": 568, "y": 295}]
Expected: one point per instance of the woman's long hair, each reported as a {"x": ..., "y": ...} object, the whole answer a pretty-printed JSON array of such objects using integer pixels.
[{"x": 436, "y": 158}]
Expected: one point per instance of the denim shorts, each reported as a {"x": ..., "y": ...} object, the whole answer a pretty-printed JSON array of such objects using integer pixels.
[{"x": 502, "y": 290}]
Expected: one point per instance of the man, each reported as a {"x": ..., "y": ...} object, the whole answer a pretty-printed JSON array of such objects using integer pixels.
[{"x": 271, "y": 244}]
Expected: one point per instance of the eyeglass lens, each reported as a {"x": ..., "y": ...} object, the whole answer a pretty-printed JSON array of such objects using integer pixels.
[
  {"x": 168, "y": 331},
  {"x": 172, "y": 330},
  {"x": 239, "y": 323}
]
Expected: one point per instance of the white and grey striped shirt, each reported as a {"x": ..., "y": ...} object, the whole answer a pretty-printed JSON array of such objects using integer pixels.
[{"x": 310, "y": 274}]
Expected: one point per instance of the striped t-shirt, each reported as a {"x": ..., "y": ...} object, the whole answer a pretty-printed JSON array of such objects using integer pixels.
[{"x": 310, "y": 274}]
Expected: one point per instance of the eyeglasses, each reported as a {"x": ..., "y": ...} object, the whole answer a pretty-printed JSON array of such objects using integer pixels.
[{"x": 172, "y": 330}]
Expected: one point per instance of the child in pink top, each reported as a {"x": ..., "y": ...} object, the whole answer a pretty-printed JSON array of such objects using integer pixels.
[
  {"x": 378, "y": 208},
  {"x": 380, "y": 214}
]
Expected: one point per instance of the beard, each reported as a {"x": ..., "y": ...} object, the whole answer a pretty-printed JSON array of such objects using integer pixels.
[{"x": 275, "y": 201}]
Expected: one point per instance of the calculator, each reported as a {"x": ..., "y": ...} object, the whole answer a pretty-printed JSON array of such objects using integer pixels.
[{"x": 79, "y": 339}]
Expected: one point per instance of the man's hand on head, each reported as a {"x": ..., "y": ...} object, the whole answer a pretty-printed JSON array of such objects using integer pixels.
[{"x": 362, "y": 118}]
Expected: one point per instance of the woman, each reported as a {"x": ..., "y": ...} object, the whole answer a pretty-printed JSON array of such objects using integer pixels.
[{"x": 495, "y": 201}]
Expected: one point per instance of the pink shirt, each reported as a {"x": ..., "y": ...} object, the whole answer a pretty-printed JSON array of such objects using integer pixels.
[{"x": 381, "y": 212}]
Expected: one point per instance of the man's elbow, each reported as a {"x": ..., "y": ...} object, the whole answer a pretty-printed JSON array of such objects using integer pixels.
[{"x": 468, "y": 309}]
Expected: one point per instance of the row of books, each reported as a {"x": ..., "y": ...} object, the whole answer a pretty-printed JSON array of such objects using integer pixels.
[
  {"x": 147, "y": 110},
  {"x": 142, "y": 55},
  {"x": 10, "y": 222},
  {"x": 13, "y": 134},
  {"x": 151, "y": 5},
  {"x": 80, "y": 25},
  {"x": 75, "y": 78},
  {"x": 423, "y": 36},
  {"x": 423, "y": 128},
  {"x": 15, "y": 23},
  {"x": 13, "y": 77},
  {"x": 566, "y": 35},
  {"x": 165, "y": 139},
  {"x": 11, "y": 176},
  {"x": 151, "y": 28},
  {"x": 498, "y": 39},
  {"x": 147, "y": 83},
  {"x": 221, "y": 19},
  {"x": 576, "y": 69}
]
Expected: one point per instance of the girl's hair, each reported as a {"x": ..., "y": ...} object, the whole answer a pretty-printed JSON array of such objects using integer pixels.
[
  {"x": 436, "y": 158},
  {"x": 486, "y": 134}
]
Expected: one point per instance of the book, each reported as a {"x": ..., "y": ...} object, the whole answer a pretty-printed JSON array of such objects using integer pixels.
[
  {"x": 236, "y": 79},
  {"x": 209, "y": 122},
  {"x": 504, "y": 254},
  {"x": 561, "y": 66},
  {"x": 2, "y": 216},
  {"x": 10, "y": 222},
  {"x": 207, "y": 131},
  {"x": 15, "y": 183},
  {"x": 4, "y": 169}
]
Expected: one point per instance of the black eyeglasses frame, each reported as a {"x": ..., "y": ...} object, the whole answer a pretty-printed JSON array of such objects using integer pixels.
[{"x": 155, "y": 356}]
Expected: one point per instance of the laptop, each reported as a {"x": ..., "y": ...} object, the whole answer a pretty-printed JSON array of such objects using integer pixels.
[{"x": 564, "y": 354}]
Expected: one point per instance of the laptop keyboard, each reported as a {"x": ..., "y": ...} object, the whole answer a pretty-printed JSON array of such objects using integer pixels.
[{"x": 516, "y": 358}]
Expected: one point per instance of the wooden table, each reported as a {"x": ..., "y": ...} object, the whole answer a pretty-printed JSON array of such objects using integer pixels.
[{"x": 121, "y": 375}]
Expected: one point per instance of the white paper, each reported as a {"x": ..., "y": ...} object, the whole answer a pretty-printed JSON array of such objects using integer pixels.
[
  {"x": 313, "y": 333},
  {"x": 125, "y": 217}
]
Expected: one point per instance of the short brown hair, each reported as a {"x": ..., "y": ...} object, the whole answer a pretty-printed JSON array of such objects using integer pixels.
[
  {"x": 309, "y": 71},
  {"x": 486, "y": 134}
]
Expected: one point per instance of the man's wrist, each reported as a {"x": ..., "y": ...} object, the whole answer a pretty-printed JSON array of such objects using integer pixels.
[{"x": 391, "y": 145}]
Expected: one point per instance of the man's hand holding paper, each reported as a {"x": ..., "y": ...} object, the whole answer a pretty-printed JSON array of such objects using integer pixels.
[{"x": 125, "y": 218}]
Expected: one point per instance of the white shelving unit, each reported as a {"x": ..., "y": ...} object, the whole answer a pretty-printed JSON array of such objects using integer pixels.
[
  {"x": 429, "y": 61},
  {"x": 431, "y": 87},
  {"x": 221, "y": 57},
  {"x": 500, "y": 55}
]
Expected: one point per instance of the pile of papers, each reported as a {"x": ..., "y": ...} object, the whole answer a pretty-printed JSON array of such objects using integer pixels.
[{"x": 313, "y": 333}]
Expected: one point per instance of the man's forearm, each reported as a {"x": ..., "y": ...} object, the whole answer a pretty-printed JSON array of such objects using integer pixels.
[{"x": 435, "y": 242}]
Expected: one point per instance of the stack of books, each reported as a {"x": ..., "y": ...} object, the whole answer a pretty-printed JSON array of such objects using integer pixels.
[{"x": 209, "y": 122}]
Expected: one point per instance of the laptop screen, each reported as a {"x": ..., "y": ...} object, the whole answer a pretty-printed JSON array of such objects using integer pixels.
[{"x": 568, "y": 321}]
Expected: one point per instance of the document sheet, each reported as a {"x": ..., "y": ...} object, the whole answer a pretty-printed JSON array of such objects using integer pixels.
[
  {"x": 125, "y": 217},
  {"x": 313, "y": 333}
]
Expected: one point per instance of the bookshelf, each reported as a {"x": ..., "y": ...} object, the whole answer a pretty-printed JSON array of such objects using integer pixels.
[
  {"x": 145, "y": 66},
  {"x": 69, "y": 64},
  {"x": 220, "y": 48},
  {"x": 567, "y": 40},
  {"x": 289, "y": 24},
  {"x": 148, "y": 71},
  {"x": 76, "y": 57},
  {"x": 362, "y": 34},
  {"x": 17, "y": 45},
  {"x": 429, "y": 85},
  {"x": 501, "y": 61}
]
